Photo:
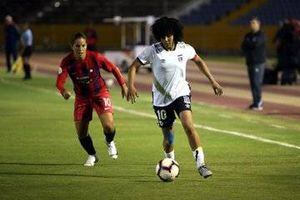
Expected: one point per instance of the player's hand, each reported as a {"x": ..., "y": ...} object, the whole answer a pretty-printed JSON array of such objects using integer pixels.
[
  {"x": 66, "y": 94},
  {"x": 132, "y": 94},
  {"x": 124, "y": 90},
  {"x": 217, "y": 88}
]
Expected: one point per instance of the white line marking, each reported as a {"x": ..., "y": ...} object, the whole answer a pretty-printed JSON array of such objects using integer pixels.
[
  {"x": 277, "y": 126},
  {"x": 143, "y": 114},
  {"x": 235, "y": 133}
]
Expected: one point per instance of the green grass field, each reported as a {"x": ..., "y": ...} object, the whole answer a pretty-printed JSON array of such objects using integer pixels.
[{"x": 40, "y": 157}]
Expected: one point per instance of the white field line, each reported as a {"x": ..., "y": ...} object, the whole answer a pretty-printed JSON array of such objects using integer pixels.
[
  {"x": 143, "y": 114},
  {"x": 235, "y": 133},
  {"x": 277, "y": 126}
]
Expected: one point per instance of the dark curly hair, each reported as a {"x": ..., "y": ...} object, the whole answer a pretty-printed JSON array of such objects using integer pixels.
[{"x": 166, "y": 26}]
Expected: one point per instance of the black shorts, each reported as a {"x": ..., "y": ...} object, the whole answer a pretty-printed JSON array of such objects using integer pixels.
[
  {"x": 166, "y": 114},
  {"x": 27, "y": 51}
]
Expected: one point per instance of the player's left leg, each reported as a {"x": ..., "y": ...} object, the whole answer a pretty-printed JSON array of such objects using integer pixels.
[
  {"x": 194, "y": 141},
  {"x": 109, "y": 131},
  {"x": 103, "y": 107}
]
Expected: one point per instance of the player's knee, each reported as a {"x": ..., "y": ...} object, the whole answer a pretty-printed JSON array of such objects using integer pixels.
[{"x": 108, "y": 128}]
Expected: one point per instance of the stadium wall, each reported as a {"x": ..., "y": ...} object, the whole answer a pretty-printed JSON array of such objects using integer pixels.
[{"x": 210, "y": 39}]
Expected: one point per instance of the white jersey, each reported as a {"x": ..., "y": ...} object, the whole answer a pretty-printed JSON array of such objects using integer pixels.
[
  {"x": 27, "y": 37},
  {"x": 169, "y": 71}
]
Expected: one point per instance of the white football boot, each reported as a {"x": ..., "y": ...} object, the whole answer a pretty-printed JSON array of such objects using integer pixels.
[
  {"x": 204, "y": 171},
  {"x": 91, "y": 161},
  {"x": 112, "y": 150}
]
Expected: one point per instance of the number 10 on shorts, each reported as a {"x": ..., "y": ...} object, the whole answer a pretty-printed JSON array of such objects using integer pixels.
[{"x": 161, "y": 114}]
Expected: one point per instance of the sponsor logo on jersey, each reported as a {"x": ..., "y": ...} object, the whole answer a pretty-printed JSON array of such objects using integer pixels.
[{"x": 162, "y": 60}]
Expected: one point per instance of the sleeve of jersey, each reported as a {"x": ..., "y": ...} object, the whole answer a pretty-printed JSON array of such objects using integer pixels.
[
  {"x": 145, "y": 56},
  {"x": 62, "y": 75},
  {"x": 191, "y": 52},
  {"x": 110, "y": 67}
]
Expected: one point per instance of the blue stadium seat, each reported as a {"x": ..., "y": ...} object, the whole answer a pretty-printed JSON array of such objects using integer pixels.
[
  {"x": 210, "y": 12},
  {"x": 272, "y": 12}
]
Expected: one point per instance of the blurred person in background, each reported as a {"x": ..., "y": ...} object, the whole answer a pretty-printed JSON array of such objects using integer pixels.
[
  {"x": 12, "y": 37},
  {"x": 254, "y": 49},
  {"x": 91, "y": 37},
  {"x": 287, "y": 41},
  {"x": 27, "y": 48}
]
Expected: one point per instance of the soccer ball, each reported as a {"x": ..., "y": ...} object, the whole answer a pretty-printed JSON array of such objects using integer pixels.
[{"x": 167, "y": 169}]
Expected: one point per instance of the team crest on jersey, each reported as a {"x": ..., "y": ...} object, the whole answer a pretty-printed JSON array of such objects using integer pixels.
[
  {"x": 180, "y": 57},
  {"x": 158, "y": 48},
  {"x": 162, "y": 60}
]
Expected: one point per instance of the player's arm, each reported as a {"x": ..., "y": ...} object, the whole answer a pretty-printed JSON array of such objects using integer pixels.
[
  {"x": 132, "y": 92},
  {"x": 203, "y": 67},
  {"x": 110, "y": 67},
  {"x": 62, "y": 75}
]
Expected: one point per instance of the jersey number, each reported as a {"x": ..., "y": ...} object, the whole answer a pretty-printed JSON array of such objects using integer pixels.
[
  {"x": 107, "y": 102},
  {"x": 161, "y": 114}
]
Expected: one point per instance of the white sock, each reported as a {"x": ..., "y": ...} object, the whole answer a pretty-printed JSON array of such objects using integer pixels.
[
  {"x": 170, "y": 155},
  {"x": 199, "y": 157}
]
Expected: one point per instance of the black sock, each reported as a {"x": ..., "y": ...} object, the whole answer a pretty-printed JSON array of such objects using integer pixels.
[
  {"x": 110, "y": 136},
  {"x": 87, "y": 144},
  {"x": 27, "y": 71}
]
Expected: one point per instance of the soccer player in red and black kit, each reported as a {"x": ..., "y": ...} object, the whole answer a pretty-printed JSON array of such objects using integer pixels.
[{"x": 83, "y": 67}]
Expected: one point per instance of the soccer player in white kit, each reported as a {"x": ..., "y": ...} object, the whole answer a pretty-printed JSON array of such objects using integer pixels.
[{"x": 171, "y": 92}]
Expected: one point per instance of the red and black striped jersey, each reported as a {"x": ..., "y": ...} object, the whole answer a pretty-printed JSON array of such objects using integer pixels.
[{"x": 85, "y": 74}]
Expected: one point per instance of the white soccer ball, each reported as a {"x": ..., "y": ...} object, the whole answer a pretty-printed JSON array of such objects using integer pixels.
[{"x": 167, "y": 169}]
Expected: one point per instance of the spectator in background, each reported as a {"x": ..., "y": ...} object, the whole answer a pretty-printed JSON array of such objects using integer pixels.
[
  {"x": 27, "y": 44},
  {"x": 12, "y": 37},
  {"x": 91, "y": 38},
  {"x": 288, "y": 51},
  {"x": 254, "y": 49}
]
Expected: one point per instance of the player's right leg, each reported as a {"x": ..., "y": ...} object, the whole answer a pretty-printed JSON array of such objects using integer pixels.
[
  {"x": 165, "y": 117},
  {"x": 168, "y": 142},
  {"x": 82, "y": 117}
]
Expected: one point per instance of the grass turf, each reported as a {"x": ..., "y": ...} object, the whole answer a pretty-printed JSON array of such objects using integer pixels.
[{"x": 40, "y": 157}]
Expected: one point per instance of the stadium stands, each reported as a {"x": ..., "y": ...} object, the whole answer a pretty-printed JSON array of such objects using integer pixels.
[
  {"x": 210, "y": 11},
  {"x": 20, "y": 10},
  {"x": 272, "y": 12},
  {"x": 77, "y": 11}
]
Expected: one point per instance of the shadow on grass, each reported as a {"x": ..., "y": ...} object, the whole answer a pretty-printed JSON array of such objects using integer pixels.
[{"x": 74, "y": 175}]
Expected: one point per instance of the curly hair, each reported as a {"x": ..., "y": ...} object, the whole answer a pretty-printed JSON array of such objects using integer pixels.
[{"x": 166, "y": 26}]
